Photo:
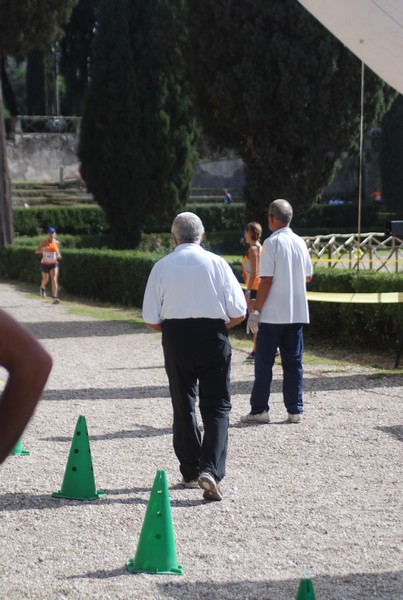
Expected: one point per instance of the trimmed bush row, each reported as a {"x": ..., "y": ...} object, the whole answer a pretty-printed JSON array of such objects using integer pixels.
[
  {"x": 85, "y": 219},
  {"x": 374, "y": 326},
  {"x": 120, "y": 277}
]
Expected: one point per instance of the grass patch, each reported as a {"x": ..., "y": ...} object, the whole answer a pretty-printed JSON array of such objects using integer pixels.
[
  {"x": 78, "y": 306},
  {"x": 316, "y": 353}
]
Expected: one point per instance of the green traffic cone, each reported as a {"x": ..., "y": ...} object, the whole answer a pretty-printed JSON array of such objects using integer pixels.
[
  {"x": 305, "y": 590},
  {"x": 18, "y": 450},
  {"x": 78, "y": 482},
  {"x": 156, "y": 548}
]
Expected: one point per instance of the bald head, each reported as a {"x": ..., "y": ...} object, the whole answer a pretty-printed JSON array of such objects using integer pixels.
[{"x": 281, "y": 210}]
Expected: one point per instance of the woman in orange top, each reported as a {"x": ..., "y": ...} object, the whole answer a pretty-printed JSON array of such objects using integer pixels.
[
  {"x": 250, "y": 267},
  {"x": 49, "y": 263}
]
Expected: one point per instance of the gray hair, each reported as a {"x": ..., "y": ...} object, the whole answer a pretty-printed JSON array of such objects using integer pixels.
[
  {"x": 187, "y": 228},
  {"x": 281, "y": 210}
]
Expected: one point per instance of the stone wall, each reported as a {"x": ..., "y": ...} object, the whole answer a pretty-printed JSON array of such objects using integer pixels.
[
  {"x": 50, "y": 157},
  {"x": 42, "y": 157}
]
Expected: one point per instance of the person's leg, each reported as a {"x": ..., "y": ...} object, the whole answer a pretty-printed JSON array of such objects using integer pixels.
[
  {"x": 178, "y": 353},
  {"x": 291, "y": 348},
  {"x": 267, "y": 341},
  {"x": 54, "y": 271},
  {"x": 44, "y": 280},
  {"x": 213, "y": 358}
]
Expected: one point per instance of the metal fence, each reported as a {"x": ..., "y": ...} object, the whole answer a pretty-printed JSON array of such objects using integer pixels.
[
  {"x": 369, "y": 251},
  {"x": 25, "y": 125}
]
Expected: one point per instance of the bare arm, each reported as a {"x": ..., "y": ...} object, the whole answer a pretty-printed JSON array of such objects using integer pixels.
[
  {"x": 263, "y": 292},
  {"x": 39, "y": 249},
  {"x": 234, "y": 321},
  {"x": 28, "y": 365},
  {"x": 154, "y": 326}
]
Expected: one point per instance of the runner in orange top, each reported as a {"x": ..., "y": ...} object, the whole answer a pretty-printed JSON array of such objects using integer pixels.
[
  {"x": 49, "y": 263},
  {"x": 250, "y": 267}
]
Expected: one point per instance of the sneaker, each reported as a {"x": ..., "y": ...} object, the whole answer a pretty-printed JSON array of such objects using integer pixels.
[
  {"x": 55, "y": 300},
  {"x": 193, "y": 484},
  {"x": 210, "y": 486},
  {"x": 262, "y": 417},
  {"x": 294, "y": 418},
  {"x": 251, "y": 357},
  {"x": 42, "y": 292}
]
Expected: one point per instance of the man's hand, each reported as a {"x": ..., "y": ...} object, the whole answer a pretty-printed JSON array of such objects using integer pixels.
[{"x": 252, "y": 325}]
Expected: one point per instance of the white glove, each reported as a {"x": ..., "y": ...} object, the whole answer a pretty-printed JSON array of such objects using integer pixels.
[{"x": 252, "y": 325}]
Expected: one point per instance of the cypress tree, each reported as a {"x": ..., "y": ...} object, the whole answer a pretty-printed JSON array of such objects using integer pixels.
[
  {"x": 138, "y": 134},
  {"x": 276, "y": 86}
]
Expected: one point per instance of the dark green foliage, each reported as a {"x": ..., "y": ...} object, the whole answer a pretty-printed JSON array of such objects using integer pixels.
[
  {"x": 217, "y": 218},
  {"x": 391, "y": 158},
  {"x": 30, "y": 24},
  {"x": 120, "y": 277},
  {"x": 113, "y": 276},
  {"x": 68, "y": 219},
  {"x": 138, "y": 132},
  {"x": 374, "y": 326},
  {"x": 276, "y": 86},
  {"x": 338, "y": 217},
  {"x": 24, "y": 25},
  {"x": 35, "y": 83},
  {"x": 75, "y": 55}
]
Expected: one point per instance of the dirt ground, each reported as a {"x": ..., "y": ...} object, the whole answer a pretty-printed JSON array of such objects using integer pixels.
[{"x": 321, "y": 499}]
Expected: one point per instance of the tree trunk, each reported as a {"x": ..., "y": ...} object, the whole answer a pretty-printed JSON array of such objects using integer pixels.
[{"x": 6, "y": 212}]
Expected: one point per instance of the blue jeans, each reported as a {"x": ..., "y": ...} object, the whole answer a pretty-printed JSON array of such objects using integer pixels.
[{"x": 289, "y": 339}]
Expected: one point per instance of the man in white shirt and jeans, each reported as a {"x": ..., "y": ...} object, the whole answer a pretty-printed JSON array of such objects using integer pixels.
[
  {"x": 193, "y": 297},
  {"x": 279, "y": 314}
]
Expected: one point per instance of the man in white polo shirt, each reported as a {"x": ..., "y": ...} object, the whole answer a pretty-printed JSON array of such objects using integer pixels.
[
  {"x": 193, "y": 297},
  {"x": 279, "y": 314}
]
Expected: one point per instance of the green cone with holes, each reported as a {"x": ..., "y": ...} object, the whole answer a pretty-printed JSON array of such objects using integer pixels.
[
  {"x": 305, "y": 590},
  {"x": 156, "y": 548},
  {"x": 18, "y": 450},
  {"x": 78, "y": 482}
]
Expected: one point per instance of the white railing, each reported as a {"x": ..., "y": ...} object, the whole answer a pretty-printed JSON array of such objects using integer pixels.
[{"x": 369, "y": 251}]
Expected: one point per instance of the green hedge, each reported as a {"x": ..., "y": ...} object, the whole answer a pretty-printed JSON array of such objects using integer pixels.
[
  {"x": 120, "y": 277},
  {"x": 67, "y": 219},
  {"x": 372, "y": 326},
  {"x": 91, "y": 219},
  {"x": 112, "y": 276}
]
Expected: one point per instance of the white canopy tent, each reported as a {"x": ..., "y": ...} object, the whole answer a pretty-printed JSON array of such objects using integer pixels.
[{"x": 371, "y": 29}]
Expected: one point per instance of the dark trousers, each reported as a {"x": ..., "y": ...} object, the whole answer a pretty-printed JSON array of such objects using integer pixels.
[
  {"x": 289, "y": 339},
  {"x": 198, "y": 350}
]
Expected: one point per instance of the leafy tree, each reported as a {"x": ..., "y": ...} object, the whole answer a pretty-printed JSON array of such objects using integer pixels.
[
  {"x": 276, "y": 86},
  {"x": 35, "y": 83},
  {"x": 138, "y": 133},
  {"x": 391, "y": 157},
  {"x": 24, "y": 25},
  {"x": 76, "y": 48}
]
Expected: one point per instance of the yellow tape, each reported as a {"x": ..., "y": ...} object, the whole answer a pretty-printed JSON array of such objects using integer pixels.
[
  {"x": 372, "y": 298},
  {"x": 354, "y": 298}
]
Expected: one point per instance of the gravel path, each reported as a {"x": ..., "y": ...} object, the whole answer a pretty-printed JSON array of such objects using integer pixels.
[{"x": 323, "y": 496}]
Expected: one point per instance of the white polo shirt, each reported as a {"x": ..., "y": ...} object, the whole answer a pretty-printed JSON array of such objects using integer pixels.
[
  {"x": 285, "y": 257},
  {"x": 192, "y": 283}
]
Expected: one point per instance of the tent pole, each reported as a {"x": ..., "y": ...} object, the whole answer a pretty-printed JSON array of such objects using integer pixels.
[{"x": 360, "y": 170}]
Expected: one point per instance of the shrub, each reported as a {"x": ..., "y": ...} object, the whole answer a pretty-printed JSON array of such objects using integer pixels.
[
  {"x": 120, "y": 277},
  {"x": 67, "y": 219},
  {"x": 363, "y": 325}
]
